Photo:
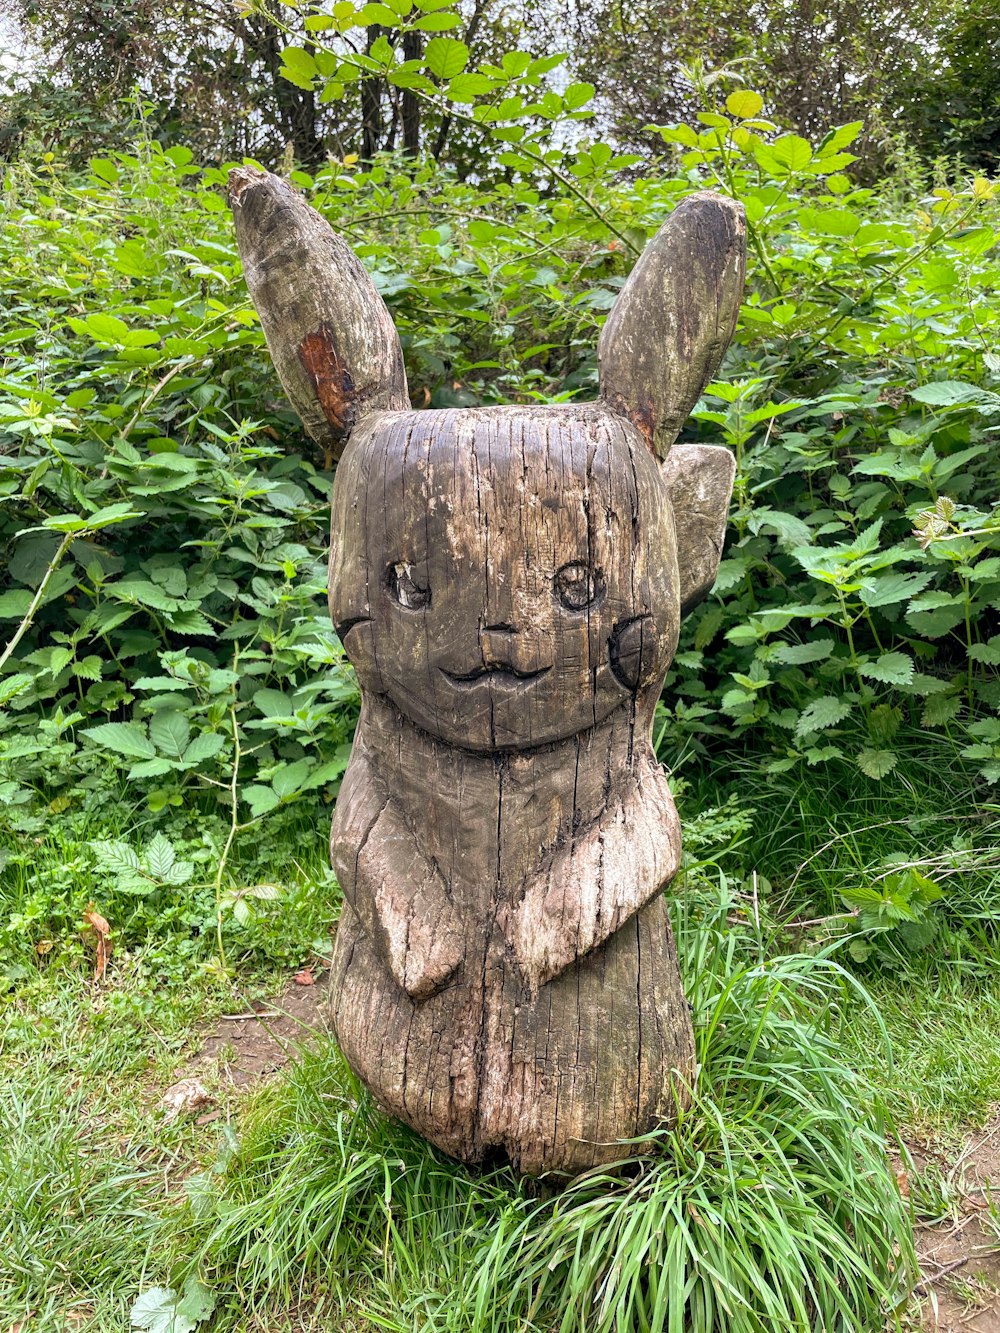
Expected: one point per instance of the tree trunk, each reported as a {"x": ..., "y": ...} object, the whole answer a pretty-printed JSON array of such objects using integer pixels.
[
  {"x": 371, "y": 105},
  {"x": 412, "y": 49}
]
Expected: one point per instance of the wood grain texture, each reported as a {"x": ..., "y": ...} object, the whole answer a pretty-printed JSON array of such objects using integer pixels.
[
  {"x": 508, "y": 584},
  {"x": 671, "y": 324},
  {"x": 331, "y": 338},
  {"x": 699, "y": 479}
]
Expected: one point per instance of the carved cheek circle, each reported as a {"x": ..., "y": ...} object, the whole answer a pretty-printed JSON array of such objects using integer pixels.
[
  {"x": 404, "y": 588},
  {"x": 633, "y": 650}
]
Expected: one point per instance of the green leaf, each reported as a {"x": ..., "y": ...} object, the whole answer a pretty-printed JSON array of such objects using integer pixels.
[
  {"x": 892, "y": 588},
  {"x": 163, "y": 1310},
  {"x": 446, "y": 56},
  {"x": 890, "y": 669},
  {"x": 467, "y": 87},
  {"x": 205, "y": 746},
  {"x": 288, "y": 780},
  {"x": 515, "y": 63},
  {"x": 267, "y": 893},
  {"x": 143, "y": 592},
  {"x": 822, "y": 713},
  {"x": 191, "y": 622},
  {"x": 300, "y": 67},
  {"x": 329, "y": 771},
  {"x": 116, "y": 856},
  {"x": 939, "y": 709},
  {"x": 273, "y": 703},
  {"x": 950, "y": 393},
  {"x": 578, "y": 95},
  {"x": 12, "y": 686},
  {"x": 14, "y": 605},
  {"x": 877, "y": 763},
  {"x": 829, "y": 221},
  {"x": 798, "y": 654},
  {"x": 260, "y": 799},
  {"x": 840, "y": 137},
  {"x": 159, "y": 856},
  {"x": 987, "y": 653},
  {"x": 106, "y": 328},
  {"x": 125, "y": 738},
  {"x": 437, "y": 22},
  {"x": 112, "y": 514},
  {"x": 169, "y": 731},
  {"x": 744, "y": 104},
  {"x": 150, "y": 768},
  {"x": 790, "y": 531},
  {"x": 792, "y": 151}
]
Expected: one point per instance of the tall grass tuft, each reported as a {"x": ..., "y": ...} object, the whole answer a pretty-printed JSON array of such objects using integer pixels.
[{"x": 772, "y": 1206}]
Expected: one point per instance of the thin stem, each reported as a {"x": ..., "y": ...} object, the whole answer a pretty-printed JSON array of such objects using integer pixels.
[
  {"x": 234, "y": 825},
  {"x": 36, "y": 601}
]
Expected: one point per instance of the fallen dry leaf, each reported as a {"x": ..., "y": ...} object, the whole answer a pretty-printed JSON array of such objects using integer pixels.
[
  {"x": 304, "y": 978},
  {"x": 183, "y": 1097},
  {"x": 93, "y": 921},
  {"x": 903, "y": 1181}
]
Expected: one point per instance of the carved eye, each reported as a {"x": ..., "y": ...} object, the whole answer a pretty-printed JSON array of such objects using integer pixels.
[
  {"x": 576, "y": 586},
  {"x": 406, "y": 590}
]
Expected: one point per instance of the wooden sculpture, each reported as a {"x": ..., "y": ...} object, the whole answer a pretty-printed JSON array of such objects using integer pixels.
[{"x": 508, "y": 584}]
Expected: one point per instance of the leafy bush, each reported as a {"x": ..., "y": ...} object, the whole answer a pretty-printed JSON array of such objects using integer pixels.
[{"x": 164, "y": 524}]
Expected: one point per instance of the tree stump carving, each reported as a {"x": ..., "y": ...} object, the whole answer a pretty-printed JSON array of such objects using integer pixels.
[{"x": 508, "y": 584}]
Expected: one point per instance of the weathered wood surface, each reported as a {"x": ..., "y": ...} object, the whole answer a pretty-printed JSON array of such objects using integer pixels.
[
  {"x": 329, "y": 333},
  {"x": 506, "y": 583}
]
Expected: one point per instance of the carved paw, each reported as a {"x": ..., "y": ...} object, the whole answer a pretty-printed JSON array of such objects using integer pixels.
[
  {"x": 426, "y": 970},
  {"x": 422, "y": 949}
]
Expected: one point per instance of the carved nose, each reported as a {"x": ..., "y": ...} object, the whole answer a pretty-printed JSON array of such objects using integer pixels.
[{"x": 497, "y": 644}]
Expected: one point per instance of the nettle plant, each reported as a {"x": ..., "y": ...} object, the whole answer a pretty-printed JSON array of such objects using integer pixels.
[
  {"x": 861, "y": 588},
  {"x": 163, "y": 530},
  {"x": 156, "y": 536}
]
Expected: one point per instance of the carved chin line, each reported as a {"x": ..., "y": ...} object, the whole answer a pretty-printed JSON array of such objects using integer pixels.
[{"x": 499, "y": 675}]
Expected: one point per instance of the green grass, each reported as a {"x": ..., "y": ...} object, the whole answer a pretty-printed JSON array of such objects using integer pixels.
[
  {"x": 945, "y": 1033},
  {"x": 810, "y": 838},
  {"x": 78, "y": 1206},
  {"x": 773, "y": 1205},
  {"x": 88, "y": 1166}
]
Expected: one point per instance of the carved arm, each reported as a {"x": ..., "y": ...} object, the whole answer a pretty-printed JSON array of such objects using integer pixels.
[
  {"x": 398, "y": 895},
  {"x": 592, "y": 884}
]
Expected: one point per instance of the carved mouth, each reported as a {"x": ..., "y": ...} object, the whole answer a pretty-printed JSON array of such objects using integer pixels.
[{"x": 500, "y": 675}]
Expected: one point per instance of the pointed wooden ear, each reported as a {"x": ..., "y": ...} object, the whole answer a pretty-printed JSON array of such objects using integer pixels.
[
  {"x": 699, "y": 478},
  {"x": 673, "y": 319},
  {"x": 331, "y": 338}
]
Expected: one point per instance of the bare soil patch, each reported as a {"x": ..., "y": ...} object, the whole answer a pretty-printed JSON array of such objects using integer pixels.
[
  {"x": 959, "y": 1258},
  {"x": 256, "y": 1040}
]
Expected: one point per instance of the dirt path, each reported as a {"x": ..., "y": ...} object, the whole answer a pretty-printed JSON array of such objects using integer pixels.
[
  {"x": 242, "y": 1048},
  {"x": 960, "y": 1291},
  {"x": 249, "y": 1044}
]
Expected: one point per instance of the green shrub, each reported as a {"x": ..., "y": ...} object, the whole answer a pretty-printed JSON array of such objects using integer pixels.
[{"x": 164, "y": 523}]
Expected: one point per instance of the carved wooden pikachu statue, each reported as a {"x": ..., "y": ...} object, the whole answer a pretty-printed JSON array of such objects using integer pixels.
[{"x": 508, "y": 583}]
